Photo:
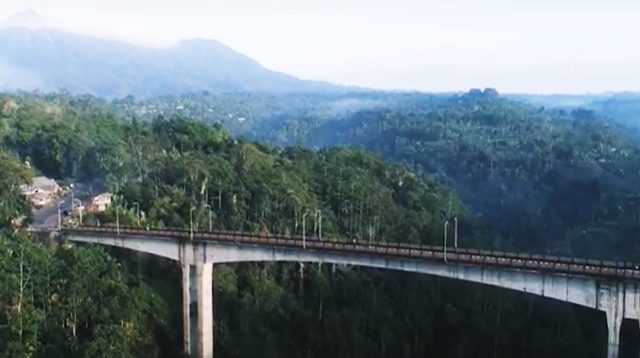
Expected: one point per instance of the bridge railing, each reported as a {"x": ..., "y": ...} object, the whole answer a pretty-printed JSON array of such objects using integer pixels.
[{"x": 569, "y": 265}]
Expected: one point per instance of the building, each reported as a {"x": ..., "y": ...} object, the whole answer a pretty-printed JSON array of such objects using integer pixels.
[{"x": 100, "y": 203}]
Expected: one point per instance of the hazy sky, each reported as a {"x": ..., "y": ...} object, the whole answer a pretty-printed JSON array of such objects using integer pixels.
[{"x": 561, "y": 46}]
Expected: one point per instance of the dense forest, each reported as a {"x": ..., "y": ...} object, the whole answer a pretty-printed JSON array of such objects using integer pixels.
[
  {"x": 544, "y": 180},
  {"x": 60, "y": 300}
]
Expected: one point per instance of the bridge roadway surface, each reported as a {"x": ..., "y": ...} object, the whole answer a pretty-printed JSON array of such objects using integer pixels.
[
  {"x": 520, "y": 261},
  {"x": 609, "y": 286}
]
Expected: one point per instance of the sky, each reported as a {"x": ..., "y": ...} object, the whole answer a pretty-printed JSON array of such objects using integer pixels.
[{"x": 515, "y": 46}]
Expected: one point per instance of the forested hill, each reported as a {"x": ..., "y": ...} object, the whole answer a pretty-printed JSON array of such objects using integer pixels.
[
  {"x": 622, "y": 107},
  {"x": 77, "y": 302},
  {"x": 546, "y": 180}
]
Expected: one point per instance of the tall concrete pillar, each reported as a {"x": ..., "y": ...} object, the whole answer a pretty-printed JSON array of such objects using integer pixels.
[
  {"x": 205, "y": 310},
  {"x": 615, "y": 314},
  {"x": 613, "y": 343},
  {"x": 186, "y": 310},
  {"x": 197, "y": 309}
]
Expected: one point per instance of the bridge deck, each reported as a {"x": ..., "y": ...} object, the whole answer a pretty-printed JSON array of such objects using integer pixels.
[{"x": 521, "y": 261}]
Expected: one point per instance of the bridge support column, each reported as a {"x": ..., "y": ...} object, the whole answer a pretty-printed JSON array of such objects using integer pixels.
[
  {"x": 197, "y": 309},
  {"x": 614, "y": 309}
]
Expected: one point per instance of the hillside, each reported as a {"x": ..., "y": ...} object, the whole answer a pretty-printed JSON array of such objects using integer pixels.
[
  {"x": 267, "y": 310},
  {"x": 546, "y": 180}
]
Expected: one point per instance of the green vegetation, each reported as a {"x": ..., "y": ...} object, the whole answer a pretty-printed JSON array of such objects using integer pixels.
[
  {"x": 169, "y": 166},
  {"x": 544, "y": 180},
  {"x": 68, "y": 302}
]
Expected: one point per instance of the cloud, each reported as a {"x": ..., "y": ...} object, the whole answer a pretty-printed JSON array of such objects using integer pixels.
[{"x": 27, "y": 19}]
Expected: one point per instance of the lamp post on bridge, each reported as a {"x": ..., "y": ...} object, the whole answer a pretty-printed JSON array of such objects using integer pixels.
[
  {"x": 218, "y": 198},
  {"x": 117, "y": 220},
  {"x": 79, "y": 208},
  {"x": 219, "y": 195},
  {"x": 60, "y": 215},
  {"x": 191, "y": 222},
  {"x": 446, "y": 223},
  {"x": 210, "y": 220},
  {"x": 318, "y": 219},
  {"x": 116, "y": 198},
  {"x": 304, "y": 238},
  {"x": 455, "y": 236},
  {"x": 137, "y": 205},
  {"x": 455, "y": 232},
  {"x": 372, "y": 229}
]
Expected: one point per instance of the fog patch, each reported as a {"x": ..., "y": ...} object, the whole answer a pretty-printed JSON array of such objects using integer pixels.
[
  {"x": 350, "y": 105},
  {"x": 16, "y": 78}
]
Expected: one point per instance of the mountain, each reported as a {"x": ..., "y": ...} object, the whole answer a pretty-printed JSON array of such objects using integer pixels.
[{"x": 34, "y": 56}]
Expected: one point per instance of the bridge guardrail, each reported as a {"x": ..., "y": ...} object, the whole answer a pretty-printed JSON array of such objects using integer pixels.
[{"x": 568, "y": 265}]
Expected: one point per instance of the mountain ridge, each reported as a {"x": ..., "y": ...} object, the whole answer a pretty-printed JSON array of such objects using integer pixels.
[{"x": 49, "y": 59}]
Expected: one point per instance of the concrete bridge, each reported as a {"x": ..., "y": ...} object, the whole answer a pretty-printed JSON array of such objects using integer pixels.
[{"x": 611, "y": 287}]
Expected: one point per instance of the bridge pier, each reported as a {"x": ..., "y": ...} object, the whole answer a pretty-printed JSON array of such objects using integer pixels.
[
  {"x": 197, "y": 309},
  {"x": 613, "y": 302},
  {"x": 613, "y": 342},
  {"x": 601, "y": 286}
]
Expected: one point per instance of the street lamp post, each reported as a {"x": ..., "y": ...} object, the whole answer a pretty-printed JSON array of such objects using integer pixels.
[
  {"x": 79, "y": 206},
  {"x": 455, "y": 232},
  {"x": 217, "y": 198},
  {"x": 208, "y": 207},
  {"x": 60, "y": 215},
  {"x": 446, "y": 223},
  {"x": 117, "y": 219},
  {"x": 219, "y": 195},
  {"x": 375, "y": 226},
  {"x": 319, "y": 221},
  {"x": 191, "y": 222},
  {"x": 372, "y": 228},
  {"x": 304, "y": 238},
  {"x": 137, "y": 205}
]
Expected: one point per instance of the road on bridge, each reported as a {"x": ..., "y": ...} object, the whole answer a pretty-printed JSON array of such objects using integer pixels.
[{"x": 522, "y": 261}]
